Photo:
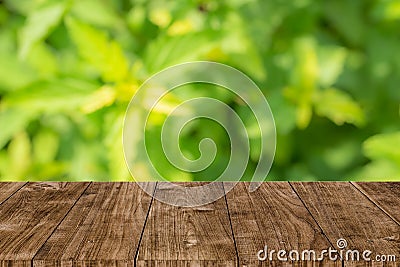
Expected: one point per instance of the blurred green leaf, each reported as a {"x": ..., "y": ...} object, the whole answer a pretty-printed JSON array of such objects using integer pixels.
[
  {"x": 386, "y": 10},
  {"x": 53, "y": 96},
  {"x": 95, "y": 47},
  {"x": 331, "y": 63},
  {"x": 22, "y": 6},
  {"x": 39, "y": 24},
  {"x": 45, "y": 146},
  {"x": 383, "y": 147},
  {"x": 113, "y": 141},
  {"x": 167, "y": 51},
  {"x": 241, "y": 50},
  {"x": 20, "y": 159},
  {"x": 339, "y": 107},
  {"x": 306, "y": 69},
  {"x": 136, "y": 17},
  {"x": 303, "y": 79},
  {"x": 378, "y": 171},
  {"x": 303, "y": 115},
  {"x": 14, "y": 74},
  {"x": 12, "y": 122},
  {"x": 43, "y": 60},
  {"x": 284, "y": 113},
  {"x": 101, "y": 14}
]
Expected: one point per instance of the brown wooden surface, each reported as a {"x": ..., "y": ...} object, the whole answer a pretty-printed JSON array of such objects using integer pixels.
[
  {"x": 342, "y": 211},
  {"x": 118, "y": 224},
  {"x": 30, "y": 216},
  {"x": 105, "y": 225},
  {"x": 384, "y": 195},
  {"x": 175, "y": 235},
  {"x": 8, "y": 189},
  {"x": 274, "y": 216}
]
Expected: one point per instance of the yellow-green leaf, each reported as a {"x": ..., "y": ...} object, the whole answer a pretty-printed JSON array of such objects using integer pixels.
[
  {"x": 331, "y": 62},
  {"x": 19, "y": 152},
  {"x": 62, "y": 95},
  {"x": 45, "y": 146},
  {"x": 95, "y": 47},
  {"x": 103, "y": 97},
  {"x": 169, "y": 50},
  {"x": 306, "y": 70},
  {"x": 383, "y": 147},
  {"x": 113, "y": 141},
  {"x": 339, "y": 107},
  {"x": 12, "y": 121},
  {"x": 303, "y": 115},
  {"x": 101, "y": 13},
  {"x": 39, "y": 24},
  {"x": 43, "y": 60}
]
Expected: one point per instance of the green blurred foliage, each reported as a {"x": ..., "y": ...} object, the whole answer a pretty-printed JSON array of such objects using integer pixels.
[{"x": 329, "y": 69}]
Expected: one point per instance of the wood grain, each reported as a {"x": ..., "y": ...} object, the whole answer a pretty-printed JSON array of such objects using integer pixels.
[
  {"x": 7, "y": 189},
  {"x": 176, "y": 236},
  {"x": 118, "y": 224},
  {"x": 343, "y": 212},
  {"x": 384, "y": 195},
  {"x": 103, "y": 228},
  {"x": 273, "y": 215},
  {"x": 29, "y": 217}
]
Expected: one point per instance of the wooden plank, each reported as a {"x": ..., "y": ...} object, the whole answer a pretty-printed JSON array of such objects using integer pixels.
[
  {"x": 384, "y": 195},
  {"x": 343, "y": 212},
  {"x": 103, "y": 228},
  {"x": 29, "y": 216},
  {"x": 7, "y": 189},
  {"x": 184, "y": 236},
  {"x": 275, "y": 217}
]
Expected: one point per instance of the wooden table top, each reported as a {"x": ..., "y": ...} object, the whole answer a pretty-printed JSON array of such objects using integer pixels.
[{"x": 118, "y": 224}]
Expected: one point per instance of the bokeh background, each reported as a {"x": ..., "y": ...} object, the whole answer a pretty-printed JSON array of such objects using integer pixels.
[{"x": 329, "y": 69}]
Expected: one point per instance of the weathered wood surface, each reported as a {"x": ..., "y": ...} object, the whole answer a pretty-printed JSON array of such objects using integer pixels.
[
  {"x": 104, "y": 226},
  {"x": 8, "y": 189},
  {"x": 274, "y": 216},
  {"x": 29, "y": 217},
  {"x": 342, "y": 211},
  {"x": 384, "y": 195},
  {"x": 118, "y": 224},
  {"x": 187, "y": 236}
]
